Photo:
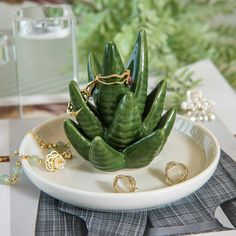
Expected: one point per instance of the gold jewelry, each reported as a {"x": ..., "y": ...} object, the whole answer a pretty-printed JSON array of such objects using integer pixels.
[
  {"x": 55, "y": 159},
  {"x": 125, "y": 78},
  {"x": 60, "y": 147},
  {"x": 175, "y": 173},
  {"x": 70, "y": 110},
  {"x": 124, "y": 184}
]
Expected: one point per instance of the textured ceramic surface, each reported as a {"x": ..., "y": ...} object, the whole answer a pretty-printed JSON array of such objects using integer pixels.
[
  {"x": 82, "y": 185},
  {"x": 125, "y": 128}
]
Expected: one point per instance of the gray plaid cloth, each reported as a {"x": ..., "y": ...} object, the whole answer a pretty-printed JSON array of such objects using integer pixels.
[{"x": 193, "y": 214}]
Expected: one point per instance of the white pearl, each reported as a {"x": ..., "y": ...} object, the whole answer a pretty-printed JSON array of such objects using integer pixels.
[
  {"x": 212, "y": 117},
  {"x": 201, "y": 118},
  {"x": 184, "y": 105},
  {"x": 191, "y": 106},
  {"x": 199, "y": 105},
  {"x": 189, "y": 113}
]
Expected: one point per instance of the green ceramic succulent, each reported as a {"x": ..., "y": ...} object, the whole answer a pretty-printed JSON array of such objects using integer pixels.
[{"x": 125, "y": 127}]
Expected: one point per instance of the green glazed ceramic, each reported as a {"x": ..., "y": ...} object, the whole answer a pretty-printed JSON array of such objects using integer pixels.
[{"x": 125, "y": 128}]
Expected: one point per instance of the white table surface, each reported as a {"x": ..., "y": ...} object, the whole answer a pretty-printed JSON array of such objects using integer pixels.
[{"x": 18, "y": 203}]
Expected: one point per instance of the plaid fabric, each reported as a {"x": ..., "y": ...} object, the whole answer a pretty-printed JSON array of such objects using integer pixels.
[
  {"x": 193, "y": 214},
  {"x": 52, "y": 222},
  {"x": 108, "y": 223},
  {"x": 229, "y": 209}
]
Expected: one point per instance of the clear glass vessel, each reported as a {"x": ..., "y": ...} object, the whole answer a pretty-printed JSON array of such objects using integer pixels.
[
  {"x": 4, "y": 56},
  {"x": 45, "y": 53},
  {"x": 9, "y": 100}
]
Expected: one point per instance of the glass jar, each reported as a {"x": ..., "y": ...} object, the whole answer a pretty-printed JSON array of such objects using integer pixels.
[
  {"x": 46, "y": 58},
  {"x": 9, "y": 99}
]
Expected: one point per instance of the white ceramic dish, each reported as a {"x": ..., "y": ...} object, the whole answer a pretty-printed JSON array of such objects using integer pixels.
[{"x": 80, "y": 184}]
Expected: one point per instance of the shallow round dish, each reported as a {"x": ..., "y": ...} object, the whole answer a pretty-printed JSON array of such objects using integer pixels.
[{"x": 80, "y": 184}]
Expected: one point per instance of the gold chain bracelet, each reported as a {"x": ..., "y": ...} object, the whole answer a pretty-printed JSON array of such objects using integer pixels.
[
  {"x": 55, "y": 159},
  {"x": 125, "y": 78}
]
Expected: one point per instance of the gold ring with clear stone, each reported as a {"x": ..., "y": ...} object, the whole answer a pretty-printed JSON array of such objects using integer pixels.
[
  {"x": 128, "y": 182},
  {"x": 175, "y": 180}
]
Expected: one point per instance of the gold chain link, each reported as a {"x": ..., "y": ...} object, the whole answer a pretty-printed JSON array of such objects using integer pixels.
[
  {"x": 87, "y": 91},
  {"x": 15, "y": 178},
  {"x": 41, "y": 143},
  {"x": 125, "y": 78}
]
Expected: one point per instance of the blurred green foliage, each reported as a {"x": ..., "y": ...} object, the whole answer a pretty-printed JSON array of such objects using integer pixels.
[{"x": 179, "y": 32}]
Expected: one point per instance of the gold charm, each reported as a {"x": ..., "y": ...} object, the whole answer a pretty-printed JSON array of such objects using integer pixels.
[
  {"x": 54, "y": 161},
  {"x": 70, "y": 110},
  {"x": 67, "y": 154},
  {"x": 175, "y": 173},
  {"x": 124, "y": 184}
]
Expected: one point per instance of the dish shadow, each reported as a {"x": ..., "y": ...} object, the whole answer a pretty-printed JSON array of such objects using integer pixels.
[
  {"x": 106, "y": 187},
  {"x": 157, "y": 174}
]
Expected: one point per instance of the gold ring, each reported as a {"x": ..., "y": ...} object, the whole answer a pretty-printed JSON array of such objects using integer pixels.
[
  {"x": 124, "y": 184},
  {"x": 70, "y": 110},
  {"x": 175, "y": 173}
]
